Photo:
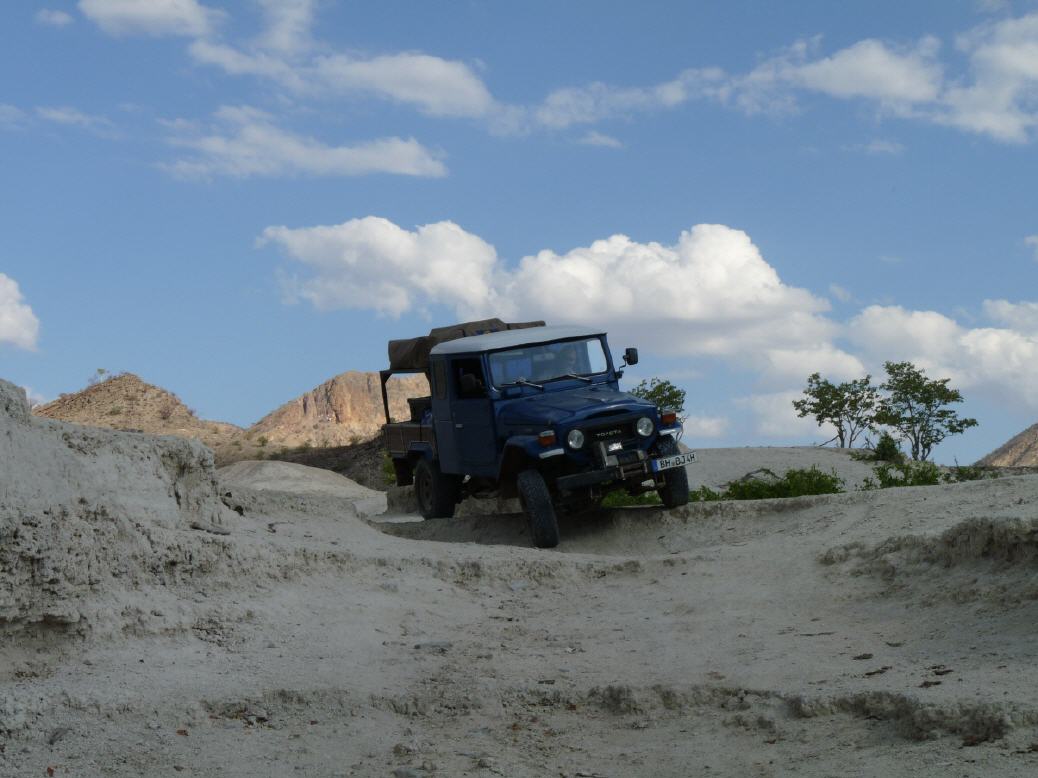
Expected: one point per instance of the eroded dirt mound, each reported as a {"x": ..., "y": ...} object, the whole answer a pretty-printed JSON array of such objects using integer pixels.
[{"x": 87, "y": 515}]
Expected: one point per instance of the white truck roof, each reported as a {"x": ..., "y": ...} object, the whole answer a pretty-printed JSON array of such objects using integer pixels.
[{"x": 492, "y": 341}]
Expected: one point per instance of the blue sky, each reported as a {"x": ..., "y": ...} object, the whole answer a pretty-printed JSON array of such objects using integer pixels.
[{"x": 239, "y": 200}]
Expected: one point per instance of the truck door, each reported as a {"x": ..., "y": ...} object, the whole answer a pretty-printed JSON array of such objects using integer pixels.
[{"x": 472, "y": 417}]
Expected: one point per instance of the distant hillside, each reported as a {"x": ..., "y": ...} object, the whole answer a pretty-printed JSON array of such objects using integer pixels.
[
  {"x": 126, "y": 402},
  {"x": 344, "y": 410},
  {"x": 1019, "y": 451}
]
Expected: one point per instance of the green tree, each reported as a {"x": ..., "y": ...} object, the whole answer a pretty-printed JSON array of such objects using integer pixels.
[
  {"x": 663, "y": 393},
  {"x": 916, "y": 407},
  {"x": 849, "y": 406}
]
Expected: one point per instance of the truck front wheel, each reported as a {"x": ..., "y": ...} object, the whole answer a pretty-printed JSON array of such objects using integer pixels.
[
  {"x": 540, "y": 513},
  {"x": 674, "y": 490},
  {"x": 436, "y": 492}
]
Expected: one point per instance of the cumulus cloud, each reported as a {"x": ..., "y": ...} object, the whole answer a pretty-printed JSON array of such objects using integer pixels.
[
  {"x": 709, "y": 294},
  {"x": 245, "y": 142},
  {"x": 371, "y": 263},
  {"x": 18, "y": 324},
  {"x": 1001, "y": 361},
  {"x": 53, "y": 18},
  {"x": 151, "y": 17}
]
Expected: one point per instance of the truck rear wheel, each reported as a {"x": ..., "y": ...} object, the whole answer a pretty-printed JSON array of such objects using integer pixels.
[
  {"x": 436, "y": 492},
  {"x": 674, "y": 491},
  {"x": 540, "y": 512}
]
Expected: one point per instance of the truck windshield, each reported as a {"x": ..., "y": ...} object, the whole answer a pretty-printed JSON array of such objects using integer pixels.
[{"x": 548, "y": 361}]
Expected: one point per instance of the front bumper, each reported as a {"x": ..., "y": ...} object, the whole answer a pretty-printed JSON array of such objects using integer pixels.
[{"x": 624, "y": 465}]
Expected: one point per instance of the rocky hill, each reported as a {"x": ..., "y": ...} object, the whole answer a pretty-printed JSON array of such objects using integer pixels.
[
  {"x": 1019, "y": 451},
  {"x": 125, "y": 402},
  {"x": 342, "y": 411}
]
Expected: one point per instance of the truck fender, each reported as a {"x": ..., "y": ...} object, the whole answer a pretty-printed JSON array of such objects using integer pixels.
[
  {"x": 420, "y": 449},
  {"x": 521, "y": 452}
]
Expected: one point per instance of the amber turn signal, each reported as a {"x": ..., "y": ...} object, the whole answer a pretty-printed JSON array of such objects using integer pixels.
[
  {"x": 547, "y": 438},
  {"x": 668, "y": 418}
]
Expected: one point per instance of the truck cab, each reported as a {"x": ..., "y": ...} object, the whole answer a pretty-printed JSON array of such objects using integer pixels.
[{"x": 534, "y": 412}]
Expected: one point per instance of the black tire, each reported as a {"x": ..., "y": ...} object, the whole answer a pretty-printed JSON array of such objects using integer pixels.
[
  {"x": 674, "y": 491},
  {"x": 540, "y": 512},
  {"x": 437, "y": 493}
]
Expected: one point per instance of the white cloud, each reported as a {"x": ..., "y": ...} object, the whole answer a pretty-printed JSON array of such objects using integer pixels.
[
  {"x": 774, "y": 417},
  {"x": 594, "y": 138},
  {"x": 73, "y": 117},
  {"x": 997, "y": 96},
  {"x": 438, "y": 87},
  {"x": 1032, "y": 241},
  {"x": 710, "y": 294},
  {"x": 435, "y": 86},
  {"x": 246, "y": 143},
  {"x": 150, "y": 17},
  {"x": 1000, "y": 99},
  {"x": 706, "y": 426},
  {"x": 1022, "y": 317},
  {"x": 872, "y": 70},
  {"x": 999, "y": 361},
  {"x": 53, "y": 18},
  {"x": 288, "y": 25},
  {"x": 596, "y": 102},
  {"x": 18, "y": 324},
  {"x": 371, "y": 263}
]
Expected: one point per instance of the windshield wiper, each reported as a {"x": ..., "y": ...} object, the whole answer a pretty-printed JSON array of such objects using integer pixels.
[
  {"x": 584, "y": 378},
  {"x": 524, "y": 382}
]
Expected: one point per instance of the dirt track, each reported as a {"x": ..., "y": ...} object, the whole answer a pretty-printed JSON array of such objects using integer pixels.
[{"x": 883, "y": 633}]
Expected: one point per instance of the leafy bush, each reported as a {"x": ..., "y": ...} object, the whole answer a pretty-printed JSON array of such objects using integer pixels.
[
  {"x": 795, "y": 483},
  {"x": 893, "y": 474},
  {"x": 887, "y": 449},
  {"x": 388, "y": 471},
  {"x": 961, "y": 473},
  {"x": 261, "y": 441}
]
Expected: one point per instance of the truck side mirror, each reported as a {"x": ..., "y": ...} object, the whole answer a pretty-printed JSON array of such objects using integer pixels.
[{"x": 630, "y": 356}]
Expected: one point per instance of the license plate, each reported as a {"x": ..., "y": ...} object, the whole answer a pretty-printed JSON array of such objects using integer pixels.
[{"x": 678, "y": 460}]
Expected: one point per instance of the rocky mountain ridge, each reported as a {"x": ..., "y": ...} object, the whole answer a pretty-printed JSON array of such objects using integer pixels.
[{"x": 1021, "y": 450}]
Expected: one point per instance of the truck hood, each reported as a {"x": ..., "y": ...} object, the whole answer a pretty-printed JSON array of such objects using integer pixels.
[{"x": 571, "y": 405}]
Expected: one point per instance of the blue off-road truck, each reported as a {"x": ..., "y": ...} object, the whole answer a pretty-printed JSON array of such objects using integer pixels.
[{"x": 530, "y": 411}]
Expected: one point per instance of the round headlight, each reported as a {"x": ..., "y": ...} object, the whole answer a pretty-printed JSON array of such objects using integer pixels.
[
  {"x": 575, "y": 438},
  {"x": 645, "y": 426}
]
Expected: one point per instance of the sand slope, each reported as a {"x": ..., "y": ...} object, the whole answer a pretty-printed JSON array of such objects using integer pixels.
[{"x": 863, "y": 634}]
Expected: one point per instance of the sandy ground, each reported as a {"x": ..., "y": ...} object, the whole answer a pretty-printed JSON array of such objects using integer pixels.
[{"x": 863, "y": 634}]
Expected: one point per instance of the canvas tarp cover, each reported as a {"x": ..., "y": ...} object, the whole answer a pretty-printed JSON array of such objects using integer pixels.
[{"x": 413, "y": 353}]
